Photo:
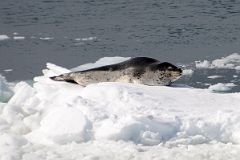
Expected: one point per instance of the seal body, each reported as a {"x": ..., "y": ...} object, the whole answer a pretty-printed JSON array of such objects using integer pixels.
[{"x": 141, "y": 70}]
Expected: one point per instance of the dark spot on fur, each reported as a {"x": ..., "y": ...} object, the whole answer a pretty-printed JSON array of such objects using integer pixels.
[{"x": 138, "y": 73}]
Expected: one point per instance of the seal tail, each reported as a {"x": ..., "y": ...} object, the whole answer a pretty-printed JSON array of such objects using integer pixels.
[{"x": 64, "y": 77}]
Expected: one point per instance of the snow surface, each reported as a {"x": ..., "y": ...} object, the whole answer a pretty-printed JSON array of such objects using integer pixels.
[
  {"x": 58, "y": 120},
  {"x": 230, "y": 62}
]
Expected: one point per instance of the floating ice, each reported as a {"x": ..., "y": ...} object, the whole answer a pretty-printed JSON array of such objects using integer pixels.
[
  {"x": 203, "y": 64},
  {"x": 230, "y": 62},
  {"x": 59, "y": 120},
  {"x": 8, "y": 70},
  {"x": 214, "y": 76},
  {"x": 6, "y": 89},
  {"x": 18, "y": 37},
  {"x": 187, "y": 72},
  {"x": 46, "y": 38},
  {"x": 221, "y": 87},
  {"x": 86, "y": 39},
  {"x": 3, "y": 37}
]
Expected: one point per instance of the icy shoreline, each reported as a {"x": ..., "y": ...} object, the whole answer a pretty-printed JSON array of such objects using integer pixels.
[{"x": 58, "y": 120}]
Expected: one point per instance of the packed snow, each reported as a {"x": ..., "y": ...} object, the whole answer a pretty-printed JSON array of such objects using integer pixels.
[
  {"x": 59, "y": 120},
  {"x": 230, "y": 62}
]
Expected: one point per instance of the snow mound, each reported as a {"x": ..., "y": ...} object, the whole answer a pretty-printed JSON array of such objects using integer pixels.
[
  {"x": 59, "y": 112},
  {"x": 62, "y": 125},
  {"x": 52, "y": 120},
  {"x": 230, "y": 62}
]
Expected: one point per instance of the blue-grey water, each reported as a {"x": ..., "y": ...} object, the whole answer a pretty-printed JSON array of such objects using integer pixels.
[{"x": 173, "y": 30}]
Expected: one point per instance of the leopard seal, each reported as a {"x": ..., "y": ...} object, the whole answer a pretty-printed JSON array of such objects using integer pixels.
[{"x": 141, "y": 70}]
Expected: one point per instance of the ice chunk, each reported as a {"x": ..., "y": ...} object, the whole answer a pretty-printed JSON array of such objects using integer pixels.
[
  {"x": 64, "y": 125},
  {"x": 3, "y": 37},
  {"x": 46, "y": 38},
  {"x": 221, "y": 87},
  {"x": 86, "y": 39},
  {"x": 214, "y": 76},
  {"x": 203, "y": 64},
  {"x": 187, "y": 72},
  {"x": 230, "y": 62},
  {"x": 6, "y": 89},
  {"x": 18, "y": 37}
]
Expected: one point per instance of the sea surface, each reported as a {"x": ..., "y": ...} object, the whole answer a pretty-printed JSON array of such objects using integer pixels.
[{"x": 73, "y": 32}]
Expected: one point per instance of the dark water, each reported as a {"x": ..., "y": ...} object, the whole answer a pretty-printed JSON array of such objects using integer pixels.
[{"x": 173, "y": 30}]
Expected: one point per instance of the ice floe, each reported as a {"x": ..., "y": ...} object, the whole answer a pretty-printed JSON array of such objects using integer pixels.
[
  {"x": 187, "y": 72},
  {"x": 18, "y": 37},
  {"x": 230, "y": 62},
  {"x": 86, "y": 39},
  {"x": 46, "y": 38},
  {"x": 8, "y": 70},
  {"x": 221, "y": 87},
  {"x": 6, "y": 89},
  {"x": 59, "y": 120},
  {"x": 214, "y": 76},
  {"x": 3, "y": 37}
]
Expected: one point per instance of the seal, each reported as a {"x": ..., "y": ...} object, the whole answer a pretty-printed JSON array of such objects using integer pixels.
[{"x": 140, "y": 70}]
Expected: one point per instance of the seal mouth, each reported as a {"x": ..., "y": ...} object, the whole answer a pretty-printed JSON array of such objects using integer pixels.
[{"x": 176, "y": 74}]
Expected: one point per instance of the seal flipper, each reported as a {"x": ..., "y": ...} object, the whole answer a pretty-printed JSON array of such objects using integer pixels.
[{"x": 64, "y": 77}]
